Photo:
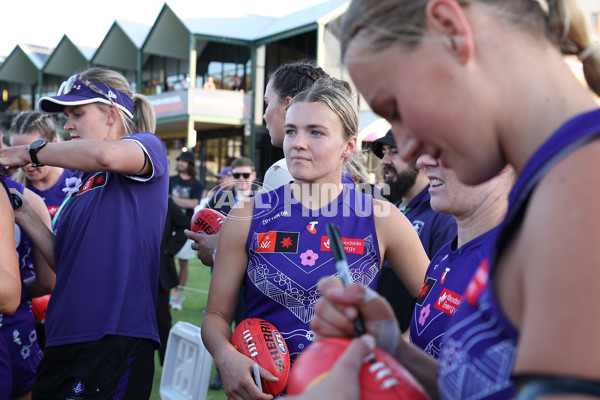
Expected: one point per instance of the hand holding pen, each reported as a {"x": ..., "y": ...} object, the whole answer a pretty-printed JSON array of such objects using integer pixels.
[{"x": 341, "y": 265}]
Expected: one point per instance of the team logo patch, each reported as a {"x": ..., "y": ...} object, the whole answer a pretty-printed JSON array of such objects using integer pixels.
[
  {"x": 478, "y": 282},
  {"x": 448, "y": 302},
  {"x": 93, "y": 182},
  {"x": 425, "y": 289},
  {"x": 78, "y": 387},
  {"x": 278, "y": 242},
  {"x": 418, "y": 225},
  {"x": 351, "y": 246}
]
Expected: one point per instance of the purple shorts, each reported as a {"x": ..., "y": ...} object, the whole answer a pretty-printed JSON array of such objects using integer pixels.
[{"x": 20, "y": 353}]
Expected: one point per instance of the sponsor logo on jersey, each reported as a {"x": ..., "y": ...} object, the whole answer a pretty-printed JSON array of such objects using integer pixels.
[
  {"x": 278, "y": 242},
  {"x": 478, "y": 282},
  {"x": 52, "y": 210},
  {"x": 448, "y": 302},
  {"x": 425, "y": 289},
  {"x": 351, "y": 246},
  {"x": 312, "y": 227},
  {"x": 274, "y": 217},
  {"x": 444, "y": 276},
  {"x": 418, "y": 225},
  {"x": 98, "y": 180}
]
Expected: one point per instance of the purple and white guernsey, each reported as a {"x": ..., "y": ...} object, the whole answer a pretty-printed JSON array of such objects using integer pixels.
[
  {"x": 442, "y": 292},
  {"x": 480, "y": 346},
  {"x": 107, "y": 250},
  {"x": 54, "y": 196},
  {"x": 20, "y": 353},
  {"x": 289, "y": 251},
  {"x": 434, "y": 229}
]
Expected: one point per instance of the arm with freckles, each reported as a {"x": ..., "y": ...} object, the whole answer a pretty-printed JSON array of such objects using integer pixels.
[
  {"x": 547, "y": 280},
  {"x": 10, "y": 280},
  {"x": 88, "y": 155},
  {"x": 43, "y": 281},
  {"x": 228, "y": 274},
  {"x": 400, "y": 246},
  {"x": 339, "y": 307}
]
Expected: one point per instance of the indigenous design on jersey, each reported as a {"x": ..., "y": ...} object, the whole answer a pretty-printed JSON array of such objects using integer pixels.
[
  {"x": 289, "y": 252},
  {"x": 18, "y": 338},
  {"x": 479, "y": 351},
  {"x": 447, "y": 277}
]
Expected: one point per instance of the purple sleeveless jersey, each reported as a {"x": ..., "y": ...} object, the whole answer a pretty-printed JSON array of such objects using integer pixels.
[
  {"x": 434, "y": 229},
  {"x": 289, "y": 251},
  {"x": 54, "y": 196},
  {"x": 479, "y": 348},
  {"x": 107, "y": 251},
  {"x": 20, "y": 352},
  {"x": 445, "y": 282}
]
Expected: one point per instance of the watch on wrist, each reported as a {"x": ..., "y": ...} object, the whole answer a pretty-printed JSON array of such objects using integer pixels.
[{"x": 34, "y": 147}]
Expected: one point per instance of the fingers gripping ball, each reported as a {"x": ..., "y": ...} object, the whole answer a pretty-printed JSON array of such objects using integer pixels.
[
  {"x": 381, "y": 376},
  {"x": 261, "y": 341},
  {"x": 38, "y": 307},
  {"x": 207, "y": 221}
]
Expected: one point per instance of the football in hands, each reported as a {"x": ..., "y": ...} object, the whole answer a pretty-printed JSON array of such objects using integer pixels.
[
  {"x": 381, "y": 376},
  {"x": 207, "y": 221},
  {"x": 261, "y": 341}
]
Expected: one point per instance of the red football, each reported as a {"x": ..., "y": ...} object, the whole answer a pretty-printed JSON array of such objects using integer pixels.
[
  {"x": 381, "y": 376},
  {"x": 262, "y": 342},
  {"x": 207, "y": 220},
  {"x": 38, "y": 307}
]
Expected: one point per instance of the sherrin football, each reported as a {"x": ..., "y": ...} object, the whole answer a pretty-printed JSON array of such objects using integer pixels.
[
  {"x": 381, "y": 376},
  {"x": 207, "y": 220},
  {"x": 38, "y": 307},
  {"x": 262, "y": 342}
]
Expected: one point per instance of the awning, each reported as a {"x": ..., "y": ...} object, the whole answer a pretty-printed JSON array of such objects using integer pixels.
[{"x": 371, "y": 126}]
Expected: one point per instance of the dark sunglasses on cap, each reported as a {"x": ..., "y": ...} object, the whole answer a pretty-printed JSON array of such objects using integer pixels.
[
  {"x": 238, "y": 175},
  {"x": 67, "y": 86}
]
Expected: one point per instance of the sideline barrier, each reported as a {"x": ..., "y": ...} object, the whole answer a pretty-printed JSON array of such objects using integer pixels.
[{"x": 187, "y": 366}]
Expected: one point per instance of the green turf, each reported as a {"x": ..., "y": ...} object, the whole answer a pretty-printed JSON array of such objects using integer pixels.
[{"x": 192, "y": 312}]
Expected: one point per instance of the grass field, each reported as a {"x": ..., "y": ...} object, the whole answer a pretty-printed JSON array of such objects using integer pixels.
[{"x": 195, "y": 300}]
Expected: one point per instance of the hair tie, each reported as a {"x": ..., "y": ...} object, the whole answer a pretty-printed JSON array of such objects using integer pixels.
[{"x": 588, "y": 51}]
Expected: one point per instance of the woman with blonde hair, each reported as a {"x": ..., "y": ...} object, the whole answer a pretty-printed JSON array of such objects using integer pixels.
[
  {"x": 100, "y": 322},
  {"x": 479, "y": 85},
  {"x": 275, "y": 244}
]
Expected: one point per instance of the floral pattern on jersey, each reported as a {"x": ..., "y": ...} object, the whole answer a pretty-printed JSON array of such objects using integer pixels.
[
  {"x": 424, "y": 314},
  {"x": 300, "y": 301},
  {"x": 309, "y": 257}
]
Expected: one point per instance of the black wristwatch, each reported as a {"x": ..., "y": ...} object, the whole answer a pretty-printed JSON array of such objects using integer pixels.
[{"x": 34, "y": 147}]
